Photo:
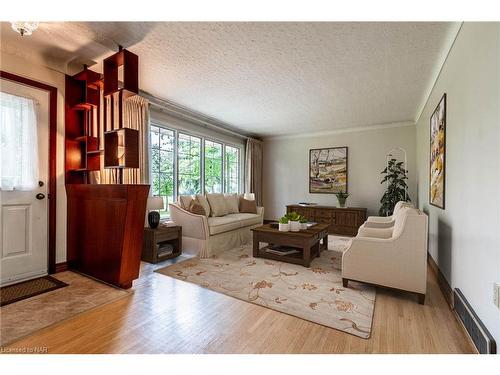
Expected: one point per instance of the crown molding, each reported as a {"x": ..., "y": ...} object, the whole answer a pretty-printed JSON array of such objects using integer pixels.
[{"x": 342, "y": 131}]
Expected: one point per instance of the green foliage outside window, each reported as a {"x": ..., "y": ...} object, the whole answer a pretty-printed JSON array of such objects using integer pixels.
[{"x": 189, "y": 166}]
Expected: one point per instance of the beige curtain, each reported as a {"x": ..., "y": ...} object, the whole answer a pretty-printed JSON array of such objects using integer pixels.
[
  {"x": 253, "y": 169},
  {"x": 135, "y": 116}
]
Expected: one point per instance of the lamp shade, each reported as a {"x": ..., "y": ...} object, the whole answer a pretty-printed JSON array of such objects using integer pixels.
[{"x": 155, "y": 203}]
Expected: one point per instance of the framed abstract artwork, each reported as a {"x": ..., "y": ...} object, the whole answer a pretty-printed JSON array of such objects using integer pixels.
[
  {"x": 437, "y": 175},
  {"x": 328, "y": 170}
]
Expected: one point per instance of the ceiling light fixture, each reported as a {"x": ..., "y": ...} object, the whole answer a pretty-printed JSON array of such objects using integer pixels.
[{"x": 24, "y": 28}]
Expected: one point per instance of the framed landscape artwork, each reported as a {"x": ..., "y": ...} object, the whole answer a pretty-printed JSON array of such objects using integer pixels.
[
  {"x": 438, "y": 155},
  {"x": 328, "y": 170}
]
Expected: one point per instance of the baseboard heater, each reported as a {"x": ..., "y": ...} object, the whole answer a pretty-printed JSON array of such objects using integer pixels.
[{"x": 484, "y": 342}]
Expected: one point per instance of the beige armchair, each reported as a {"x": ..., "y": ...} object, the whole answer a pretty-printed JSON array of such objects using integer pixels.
[
  {"x": 392, "y": 257},
  {"x": 207, "y": 236}
]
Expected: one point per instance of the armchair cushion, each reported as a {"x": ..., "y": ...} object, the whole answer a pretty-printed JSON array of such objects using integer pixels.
[
  {"x": 377, "y": 224},
  {"x": 375, "y": 232}
]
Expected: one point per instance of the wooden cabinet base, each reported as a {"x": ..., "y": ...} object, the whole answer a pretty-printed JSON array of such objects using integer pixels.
[
  {"x": 105, "y": 230},
  {"x": 343, "y": 221}
]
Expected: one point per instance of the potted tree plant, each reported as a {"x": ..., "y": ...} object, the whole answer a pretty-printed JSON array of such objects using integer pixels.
[
  {"x": 341, "y": 197},
  {"x": 395, "y": 176},
  {"x": 283, "y": 225}
]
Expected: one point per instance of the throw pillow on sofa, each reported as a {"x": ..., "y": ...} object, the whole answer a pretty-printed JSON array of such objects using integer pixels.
[
  {"x": 196, "y": 208},
  {"x": 218, "y": 205},
  {"x": 248, "y": 206},
  {"x": 185, "y": 201},
  {"x": 203, "y": 201},
  {"x": 232, "y": 203}
]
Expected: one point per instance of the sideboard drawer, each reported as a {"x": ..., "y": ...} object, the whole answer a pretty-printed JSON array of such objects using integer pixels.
[
  {"x": 324, "y": 220},
  {"x": 324, "y": 213}
]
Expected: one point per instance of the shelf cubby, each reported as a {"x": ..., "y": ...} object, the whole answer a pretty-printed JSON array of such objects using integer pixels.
[
  {"x": 121, "y": 73},
  {"x": 121, "y": 148},
  {"x": 83, "y": 99}
]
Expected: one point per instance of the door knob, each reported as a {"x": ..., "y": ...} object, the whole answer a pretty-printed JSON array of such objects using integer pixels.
[{"x": 40, "y": 196}]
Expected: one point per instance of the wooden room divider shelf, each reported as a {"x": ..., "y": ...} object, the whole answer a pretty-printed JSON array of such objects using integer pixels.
[
  {"x": 128, "y": 63},
  {"x": 105, "y": 221},
  {"x": 122, "y": 148},
  {"x": 83, "y": 97},
  {"x": 121, "y": 145}
]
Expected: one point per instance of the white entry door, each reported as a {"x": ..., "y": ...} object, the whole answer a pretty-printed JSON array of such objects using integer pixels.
[{"x": 23, "y": 185}]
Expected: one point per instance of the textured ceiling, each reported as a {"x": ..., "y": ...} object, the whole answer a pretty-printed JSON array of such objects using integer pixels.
[{"x": 266, "y": 78}]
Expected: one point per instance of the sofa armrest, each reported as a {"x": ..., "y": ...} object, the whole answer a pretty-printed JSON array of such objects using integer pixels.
[
  {"x": 193, "y": 226},
  {"x": 375, "y": 232},
  {"x": 260, "y": 211}
]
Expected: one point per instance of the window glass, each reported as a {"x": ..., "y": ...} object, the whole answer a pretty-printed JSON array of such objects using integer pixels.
[
  {"x": 189, "y": 164},
  {"x": 213, "y": 167},
  {"x": 18, "y": 141},
  {"x": 162, "y": 165},
  {"x": 177, "y": 168},
  {"x": 232, "y": 170}
]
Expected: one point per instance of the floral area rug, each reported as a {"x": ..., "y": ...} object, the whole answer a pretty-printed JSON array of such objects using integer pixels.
[{"x": 315, "y": 294}]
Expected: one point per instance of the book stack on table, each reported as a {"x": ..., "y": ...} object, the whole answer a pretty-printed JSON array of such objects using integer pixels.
[{"x": 282, "y": 250}]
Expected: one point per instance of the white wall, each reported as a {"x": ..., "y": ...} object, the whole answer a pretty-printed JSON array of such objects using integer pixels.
[
  {"x": 464, "y": 238},
  {"x": 286, "y": 167},
  {"x": 22, "y": 67}
]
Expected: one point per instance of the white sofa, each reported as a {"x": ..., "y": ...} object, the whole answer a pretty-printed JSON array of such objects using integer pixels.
[
  {"x": 394, "y": 257},
  {"x": 207, "y": 236}
]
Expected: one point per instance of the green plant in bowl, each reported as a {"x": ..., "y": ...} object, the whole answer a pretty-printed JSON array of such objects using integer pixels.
[
  {"x": 283, "y": 220},
  {"x": 293, "y": 216},
  {"x": 303, "y": 222}
]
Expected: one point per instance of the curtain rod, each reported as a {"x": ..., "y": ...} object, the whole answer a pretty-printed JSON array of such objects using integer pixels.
[{"x": 186, "y": 113}]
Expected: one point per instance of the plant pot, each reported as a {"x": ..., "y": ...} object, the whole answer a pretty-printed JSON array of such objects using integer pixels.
[
  {"x": 284, "y": 227},
  {"x": 341, "y": 202},
  {"x": 294, "y": 226},
  {"x": 303, "y": 226}
]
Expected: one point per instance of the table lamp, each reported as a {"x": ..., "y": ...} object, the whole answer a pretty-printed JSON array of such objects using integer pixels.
[{"x": 154, "y": 203}]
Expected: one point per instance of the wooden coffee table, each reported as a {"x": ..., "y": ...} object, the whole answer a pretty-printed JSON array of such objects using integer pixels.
[{"x": 308, "y": 241}]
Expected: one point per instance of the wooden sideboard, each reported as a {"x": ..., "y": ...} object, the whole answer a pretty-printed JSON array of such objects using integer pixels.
[{"x": 343, "y": 221}]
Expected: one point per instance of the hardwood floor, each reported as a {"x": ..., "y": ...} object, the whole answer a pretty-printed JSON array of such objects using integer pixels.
[{"x": 165, "y": 315}]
